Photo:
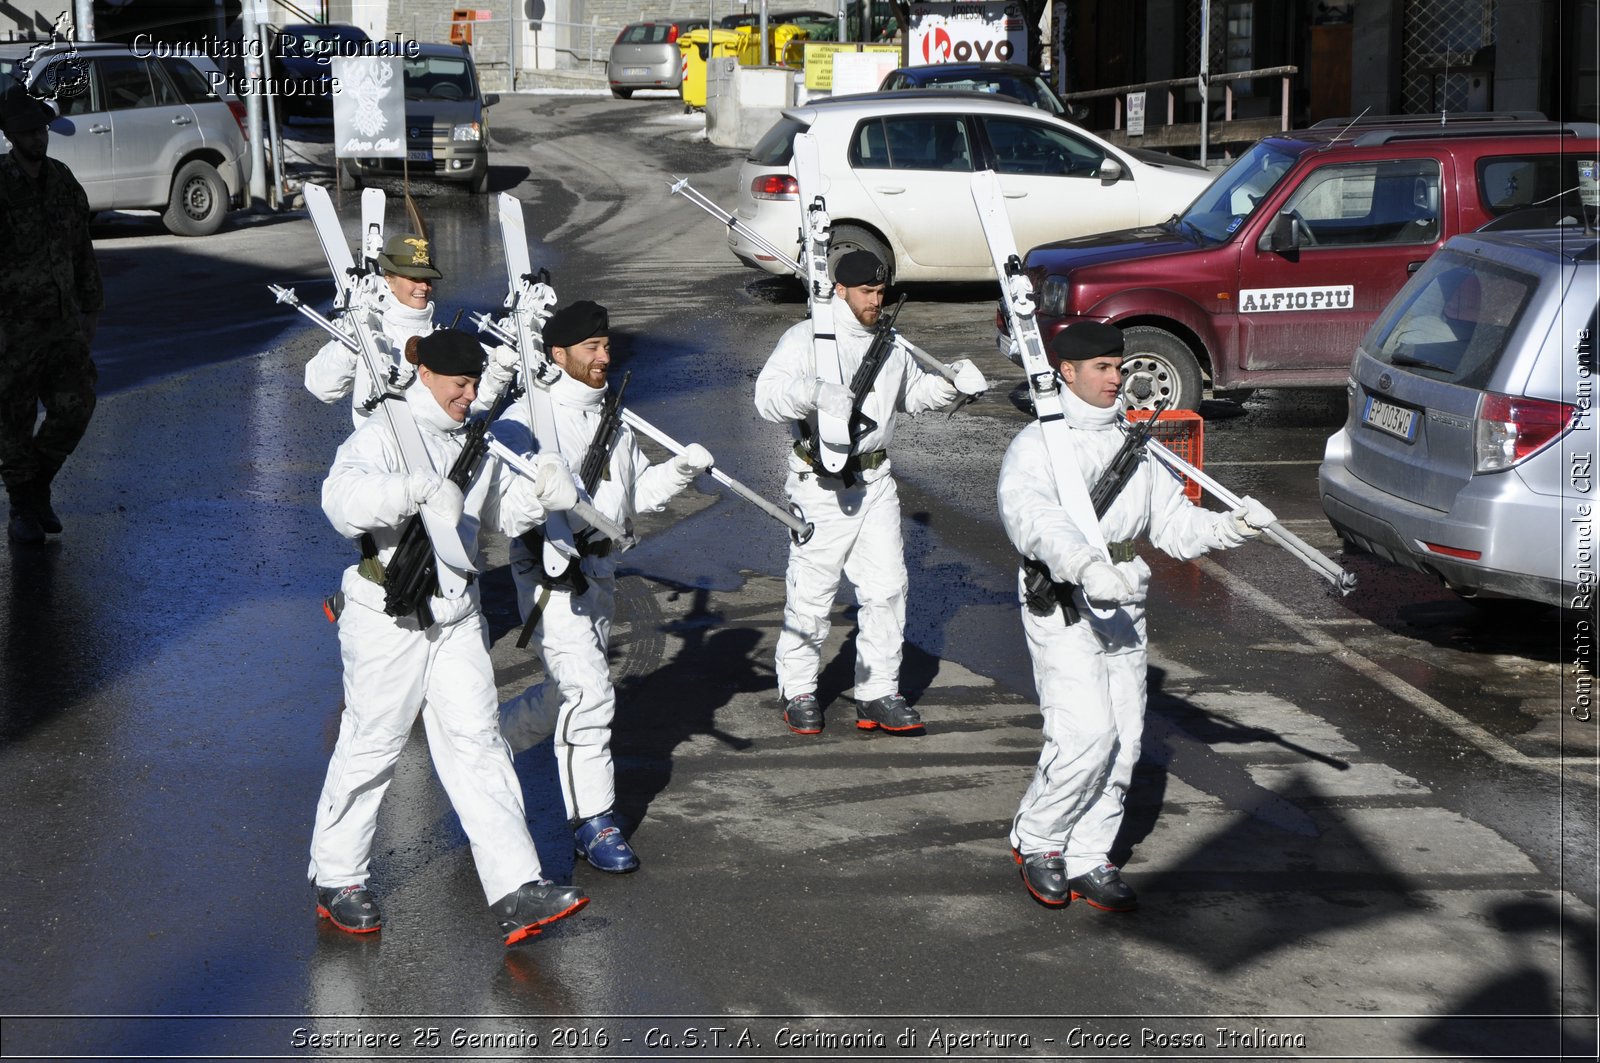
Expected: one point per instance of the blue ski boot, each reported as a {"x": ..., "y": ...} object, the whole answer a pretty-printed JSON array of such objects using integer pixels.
[{"x": 599, "y": 840}]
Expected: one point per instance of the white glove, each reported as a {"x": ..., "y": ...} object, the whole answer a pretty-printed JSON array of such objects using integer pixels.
[
  {"x": 505, "y": 359},
  {"x": 1251, "y": 517},
  {"x": 445, "y": 503},
  {"x": 420, "y": 486},
  {"x": 942, "y": 393},
  {"x": 834, "y": 399},
  {"x": 554, "y": 487},
  {"x": 1101, "y": 582},
  {"x": 968, "y": 380},
  {"x": 694, "y": 460}
]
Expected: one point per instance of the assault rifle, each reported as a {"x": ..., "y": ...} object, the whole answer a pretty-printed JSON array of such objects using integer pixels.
[
  {"x": 598, "y": 456},
  {"x": 1040, "y": 592},
  {"x": 1115, "y": 477},
  {"x": 867, "y": 371},
  {"x": 412, "y": 574}
]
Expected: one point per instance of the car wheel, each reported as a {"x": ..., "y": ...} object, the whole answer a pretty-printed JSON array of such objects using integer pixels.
[
  {"x": 622, "y": 94},
  {"x": 1156, "y": 364},
  {"x": 199, "y": 200},
  {"x": 848, "y": 238}
]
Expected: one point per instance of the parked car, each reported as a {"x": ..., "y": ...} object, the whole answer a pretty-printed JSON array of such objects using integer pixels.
[
  {"x": 1004, "y": 79},
  {"x": 1469, "y": 448},
  {"x": 300, "y": 56},
  {"x": 1272, "y": 275},
  {"x": 447, "y": 121},
  {"x": 144, "y": 133},
  {"x": 645, "y": 55},
  {"x": 897, "y": 172}
]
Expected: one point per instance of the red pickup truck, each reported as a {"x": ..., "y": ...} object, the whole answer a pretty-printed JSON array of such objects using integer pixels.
[{"x": 1272, "y": 276}]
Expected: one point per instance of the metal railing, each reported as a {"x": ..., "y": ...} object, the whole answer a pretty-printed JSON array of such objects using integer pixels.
[
  {"x": 1188, "y": 134},
  {"x": 498, "y": 41}
]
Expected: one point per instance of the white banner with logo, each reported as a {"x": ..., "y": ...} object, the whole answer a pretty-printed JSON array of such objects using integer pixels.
[
  {"x": 369, "y": 107},
  {"x": 968, "y": 33}
]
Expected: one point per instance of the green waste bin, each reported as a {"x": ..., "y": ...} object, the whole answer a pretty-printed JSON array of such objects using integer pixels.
[{"x": 693, "y": 46}]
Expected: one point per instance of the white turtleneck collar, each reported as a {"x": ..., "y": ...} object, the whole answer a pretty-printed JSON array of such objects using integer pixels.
[
  {"x": 570, "y": 391},
  {"x": 844, "y": 320},
  {"x": 1080, "y": 414},
  {"x": 408, "y": 318},
  {"x": 427, "y": 412}
]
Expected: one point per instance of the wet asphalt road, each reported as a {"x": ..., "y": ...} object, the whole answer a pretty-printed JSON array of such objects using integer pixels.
[{"x": 1367, "y": 824}]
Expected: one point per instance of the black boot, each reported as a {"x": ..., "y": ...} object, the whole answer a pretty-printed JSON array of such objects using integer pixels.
[
  {"x": 350, "y": 908},
  {"x": 1045, "y": 876},
  {"x": 534, "y": 906},
  {"x": 24, "y": 525},
  {"x": 1103, "y": 888},
  {"x": 41, "y": 510}
]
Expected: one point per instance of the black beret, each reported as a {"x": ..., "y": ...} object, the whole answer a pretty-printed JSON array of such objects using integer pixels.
[
  {"x": 21, "y": 113},
  {"x": 857, "y": 268},
  {"x": 450, "y": 352},
  {"x": 573, "y": 324},
  {"x": 1087, "y": 339}
]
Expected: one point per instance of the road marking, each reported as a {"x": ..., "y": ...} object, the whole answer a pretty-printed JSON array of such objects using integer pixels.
[{"x": 1426, "y": 704}]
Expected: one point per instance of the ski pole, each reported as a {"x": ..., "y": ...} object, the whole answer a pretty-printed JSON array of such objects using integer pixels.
[
  {"x": 287, "y": 295},
  {"x": 682, "y": 187},
  {"x": 493, "y": 328},
  {"x": 793, "y": 518},
  {"x": 1343, "y": 581},
  {"x": 619, "y": 535}
]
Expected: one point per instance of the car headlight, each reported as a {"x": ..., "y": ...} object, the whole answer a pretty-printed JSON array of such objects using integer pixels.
[
  {"x": 1055, "y": 297},
  {"x": 467, "y": 131}
]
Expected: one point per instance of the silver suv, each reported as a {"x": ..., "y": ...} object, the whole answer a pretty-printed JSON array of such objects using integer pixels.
[
  {"x": 142, "y": 132},
  {"x": 1469, "y": 449}
]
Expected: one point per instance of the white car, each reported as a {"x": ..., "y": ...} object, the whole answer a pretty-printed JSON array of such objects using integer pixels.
[{"x": 896, "y": 176}]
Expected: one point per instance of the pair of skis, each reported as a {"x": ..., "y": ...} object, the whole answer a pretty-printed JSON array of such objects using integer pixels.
[
  {"x": 1016, "y": 292},
  {"x": 357, "y": 293},
  {"x": 528, "y": 306}
]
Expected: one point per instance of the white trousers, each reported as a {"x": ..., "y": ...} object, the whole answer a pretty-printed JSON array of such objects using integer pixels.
[
  {"x": 392, "y": 671},
  {"x": 576, "y": 701},
  {"x": 1093, "y": 705},
  {"x": 857, "y": 534}
]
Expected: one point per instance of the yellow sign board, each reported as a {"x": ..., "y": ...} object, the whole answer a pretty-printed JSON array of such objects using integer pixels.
[{"x": 819, "y": 60}]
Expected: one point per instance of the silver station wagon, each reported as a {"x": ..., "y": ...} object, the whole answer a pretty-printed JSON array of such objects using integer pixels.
[
  {"x": 141, "y": 131},
  {"x": 1469, "y": 448}
]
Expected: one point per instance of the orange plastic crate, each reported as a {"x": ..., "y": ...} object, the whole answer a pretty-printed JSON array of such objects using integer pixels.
[{"x": 1184, "y": 433}]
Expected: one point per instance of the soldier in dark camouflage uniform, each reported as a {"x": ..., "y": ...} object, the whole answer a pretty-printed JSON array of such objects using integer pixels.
[{"x": 52, "y": 299}]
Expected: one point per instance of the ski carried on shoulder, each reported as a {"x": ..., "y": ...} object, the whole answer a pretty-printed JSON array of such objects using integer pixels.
[
  {"x": 1044, "y": 386},
  {"x": 833, "y": 432},
  {"x": 529, "y": 303},
  {"x": 325, "y": 221}
]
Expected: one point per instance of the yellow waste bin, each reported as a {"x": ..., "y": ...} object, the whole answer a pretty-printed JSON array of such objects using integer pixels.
[
  {"x": 780, "y": 35},
  {"x": 694, "y": 46},
  {"x": 788, "y": 45}
]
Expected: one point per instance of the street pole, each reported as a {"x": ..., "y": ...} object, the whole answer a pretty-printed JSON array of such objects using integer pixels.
[
  {"x": 251, "y": 16},
  {"x": 1205, "y": 78},
  {"x": 83, "y": 19}
]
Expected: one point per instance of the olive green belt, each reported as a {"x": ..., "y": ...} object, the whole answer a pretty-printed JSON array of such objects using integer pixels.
[{"x": 855, "y": 463}]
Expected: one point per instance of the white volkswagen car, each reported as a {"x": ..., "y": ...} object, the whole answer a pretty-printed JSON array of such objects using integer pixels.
[{"x": 896, "y": 176}]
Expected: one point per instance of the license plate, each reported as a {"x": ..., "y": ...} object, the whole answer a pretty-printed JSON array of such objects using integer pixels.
[
  {"x": 419, "y": 155},
  {"x": 1387, "y": 417},
  {"x": 635, "y": 71}
]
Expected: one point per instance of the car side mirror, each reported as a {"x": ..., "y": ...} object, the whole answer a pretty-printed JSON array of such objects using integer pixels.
[
  {"x": 491, "y": 98},
  {"x": 1110, "y": 170},
  {"x": 1280, "y": 235}
]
